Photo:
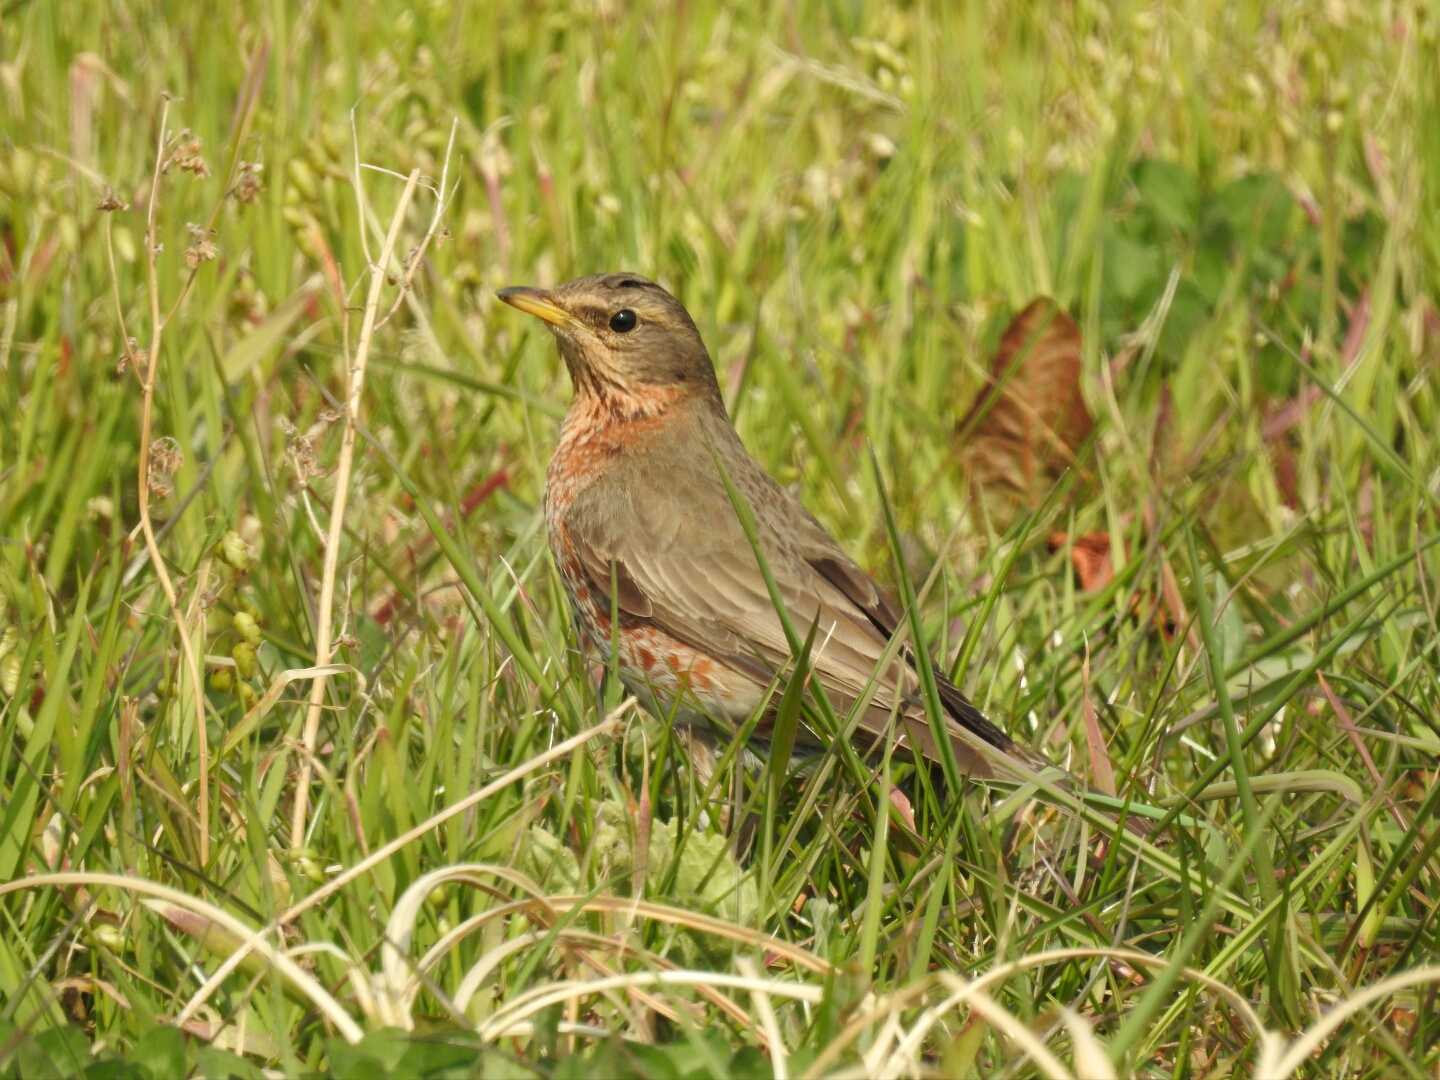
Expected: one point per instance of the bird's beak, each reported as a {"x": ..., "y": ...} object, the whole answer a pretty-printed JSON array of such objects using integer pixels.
[{"x": 535, "y": 302}]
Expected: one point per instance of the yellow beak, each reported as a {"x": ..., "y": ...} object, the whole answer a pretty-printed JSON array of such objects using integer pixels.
[{"x": 535, "y": 302}]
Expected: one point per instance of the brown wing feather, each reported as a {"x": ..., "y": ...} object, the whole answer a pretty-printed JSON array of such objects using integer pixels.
[{"x": 886, "y": 618}]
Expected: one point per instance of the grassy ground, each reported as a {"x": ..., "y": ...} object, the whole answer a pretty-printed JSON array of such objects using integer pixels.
[{"x": 1240, "y": 204}]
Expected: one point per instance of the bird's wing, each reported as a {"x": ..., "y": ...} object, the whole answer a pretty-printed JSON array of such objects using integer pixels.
[{"x": 681, "y": 560}]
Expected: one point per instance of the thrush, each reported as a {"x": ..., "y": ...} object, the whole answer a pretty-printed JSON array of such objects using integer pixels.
[{"x": 642, "y": 526}]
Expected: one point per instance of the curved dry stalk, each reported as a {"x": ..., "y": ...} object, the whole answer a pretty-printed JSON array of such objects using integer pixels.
[
  {"x": 413, "y": 260},
  {"x": 369, "y": 324},
  {"x": 379, "y": 855},
  {"x": 694, "y": 920},
  {"x": 1275, "y": 1063},
  {"x": 254, "y": 940},
  {"x": 152, "y": 545},
  {"x": 398, "y": 978},
  {"x": 581, "y": 942},
  {"x": 905, "y": 997},
  {"x": 900, "y": 1060},
  {"x": 769, "y": 1023},
  {"x": 323, "y": 617},
  {"x": 542, "y": 997},
  {"x": 482, "y": 969},
  {"x": 1085, "y": 1047}
]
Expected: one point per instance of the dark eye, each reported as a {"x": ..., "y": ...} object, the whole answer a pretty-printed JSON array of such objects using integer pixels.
[{"x": 623, "y": 321}]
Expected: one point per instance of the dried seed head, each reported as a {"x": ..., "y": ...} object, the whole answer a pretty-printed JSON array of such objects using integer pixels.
[
  {"x": 246, "y": 188},
  {"x": 187, "y": 156},
  {"x": 301, "y": 449},
  {"x": 165, "y": 461},
  {"x": 133, "y": 357},
  {"x": 110, "y": 202},
  {"x": 202, "y": 245}
]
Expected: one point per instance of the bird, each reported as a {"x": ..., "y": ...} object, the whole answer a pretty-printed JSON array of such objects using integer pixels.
[{"x": 641, "y": 519}]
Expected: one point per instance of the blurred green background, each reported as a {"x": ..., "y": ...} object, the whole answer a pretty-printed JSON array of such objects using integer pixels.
[{"x": 1239, "y": 203}]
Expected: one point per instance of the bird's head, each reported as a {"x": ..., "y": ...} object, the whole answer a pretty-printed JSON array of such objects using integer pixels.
[{"x": 622, "y": 335}]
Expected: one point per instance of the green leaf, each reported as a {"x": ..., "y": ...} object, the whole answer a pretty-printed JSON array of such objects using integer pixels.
[
  {"x": 1188, "y": 313},
  {"x": 749, "y": 1063},
  {"x": 1133, "y": 268},
  {"x": 441, "y": 1055},
  {"x": 1276, "y": 372},
  {"x": 247, "y": 353},
  {"x": 1258, "y": 210},
  {"x": 116, "y": 1069},
  {"x": 212, "y": 1063},
  {"x": 1170, "y": 192},
  {"x": 1213, "y": 263},
  {"x": 1361, "y": 239},
  {"x": 59, "y": 1052},
  {"x": 380, "y": 1049},
  {"x": 161, "y": 1051}
]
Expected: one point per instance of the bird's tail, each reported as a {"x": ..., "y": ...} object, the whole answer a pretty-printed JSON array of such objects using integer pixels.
[{"x": 1006, "y": 759}]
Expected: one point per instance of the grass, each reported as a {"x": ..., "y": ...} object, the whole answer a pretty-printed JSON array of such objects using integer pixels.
[{"x": 499, "y": 869}]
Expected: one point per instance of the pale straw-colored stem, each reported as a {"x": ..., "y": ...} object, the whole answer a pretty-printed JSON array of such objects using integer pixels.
[
  {"x": 147, "y": 527},
  {"x": 323, "y": 617}
]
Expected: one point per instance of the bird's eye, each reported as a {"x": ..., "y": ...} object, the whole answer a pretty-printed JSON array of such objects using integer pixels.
[{"x": 623, "y": 321}]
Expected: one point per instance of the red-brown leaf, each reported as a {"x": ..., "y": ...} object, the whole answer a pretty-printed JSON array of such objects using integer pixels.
[
  {"x": 1090, "y": 555},
  {"x": 1030, "y": 419}
]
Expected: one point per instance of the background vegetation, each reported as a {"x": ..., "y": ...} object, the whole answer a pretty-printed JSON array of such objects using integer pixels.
[{"x": 1230, "y": 604}]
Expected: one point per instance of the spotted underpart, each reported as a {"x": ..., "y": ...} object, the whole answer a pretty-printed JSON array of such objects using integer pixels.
[{"x": 669, "y": 676}]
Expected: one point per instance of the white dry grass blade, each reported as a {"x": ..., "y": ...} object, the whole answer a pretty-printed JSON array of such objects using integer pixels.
[
  {"x": 769, "y": 1024},
  {"x": 881, "y": 1059},
  {"x": 539, "y": 998},
  {"x": 1278, "y": 1061},
  {"x": 400, "y": 977},
  {"x": 583, "y": 943},
  {"x": 891, "y": 1004},
  {"x": 380, "y": 854},
  {"x": 906, "y": 1059},
  {"x": 486, "y": 965},
  {"x": 254, "y": 940},
  {"x": 571, "y": 1027},
  {"x": 1091, "y": 1060},
  {"x": 703, "y": 924}
]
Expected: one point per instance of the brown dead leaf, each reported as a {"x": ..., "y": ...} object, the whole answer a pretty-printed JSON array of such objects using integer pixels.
[
  {"x": 902, "y": 806},
  {"x": 1090, "y": 555},
  {"x": 1094, "y": 565},
  {"x": 1102, "y": 773},
  {"x": 1030, "y": 419}
]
